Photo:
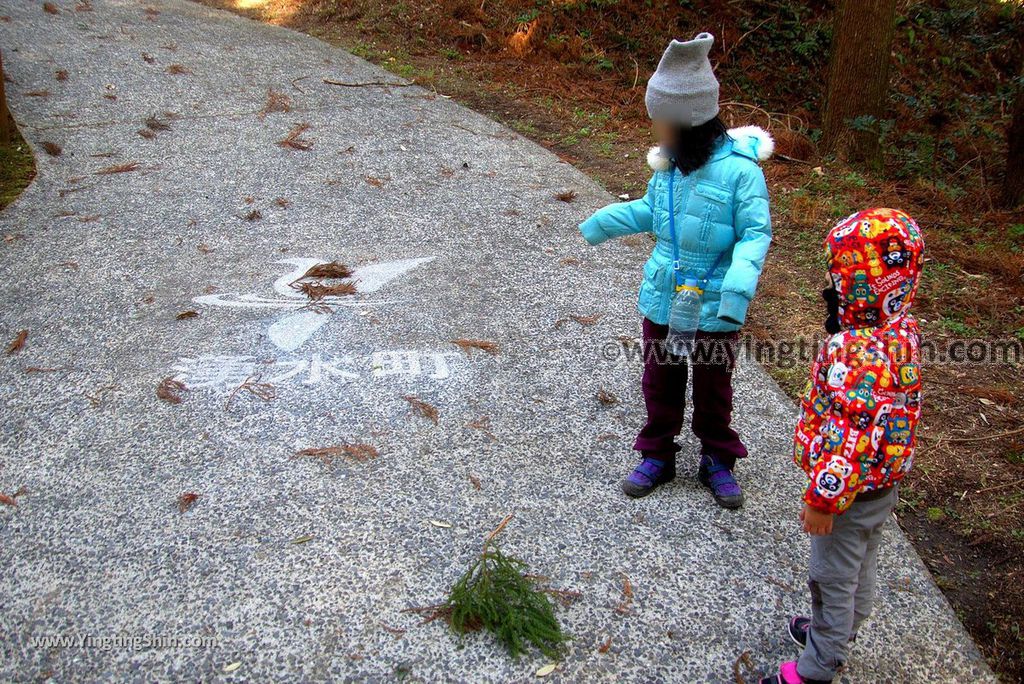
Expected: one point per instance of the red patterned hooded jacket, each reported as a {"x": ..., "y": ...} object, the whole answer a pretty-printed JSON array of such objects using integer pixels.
[{"x": 863, "y": 401}]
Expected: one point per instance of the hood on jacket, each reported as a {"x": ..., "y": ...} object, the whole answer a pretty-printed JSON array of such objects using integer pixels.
[
  {"x": 750, "y": 141},
  {"x": 874, "y": 260}
]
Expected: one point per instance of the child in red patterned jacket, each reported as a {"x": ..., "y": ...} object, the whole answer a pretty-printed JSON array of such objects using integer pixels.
[{"x": 855, "y": 439}]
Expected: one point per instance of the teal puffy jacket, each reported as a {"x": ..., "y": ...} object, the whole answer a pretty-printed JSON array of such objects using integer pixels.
[{"x": 722, "y": 224}]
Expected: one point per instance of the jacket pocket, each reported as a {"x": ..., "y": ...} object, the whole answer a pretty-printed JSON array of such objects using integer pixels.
[{"x": 715, "y": 200}]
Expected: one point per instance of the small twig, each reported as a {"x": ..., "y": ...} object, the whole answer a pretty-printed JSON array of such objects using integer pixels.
[
  {"x": 999, "y": 435},
  {"x": 745, "y": 660},
  {"x": 786, "y": 157},
  {"x": 368, "y": 84},
  {"x": 498, "y": 529},
  {"x": 997, "y": 487}
]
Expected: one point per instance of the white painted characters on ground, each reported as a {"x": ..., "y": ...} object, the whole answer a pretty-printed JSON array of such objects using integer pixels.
[
  {"x": 292, "y": 330},
  {"x": 225, "y": 373}
]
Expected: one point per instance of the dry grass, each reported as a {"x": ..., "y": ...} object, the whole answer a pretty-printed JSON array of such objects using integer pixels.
[{"x": 178, "y": 70}]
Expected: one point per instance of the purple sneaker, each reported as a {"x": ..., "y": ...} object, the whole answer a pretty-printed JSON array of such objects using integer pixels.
[
  {"x": 646, "y": 477},
  {"x": 720, "y": 480}
]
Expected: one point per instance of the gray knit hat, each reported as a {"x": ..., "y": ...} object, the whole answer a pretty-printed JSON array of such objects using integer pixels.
[{"x": 684, "y": 89}]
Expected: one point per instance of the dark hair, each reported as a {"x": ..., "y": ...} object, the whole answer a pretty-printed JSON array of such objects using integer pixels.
[{"x": 693, "y": 146}]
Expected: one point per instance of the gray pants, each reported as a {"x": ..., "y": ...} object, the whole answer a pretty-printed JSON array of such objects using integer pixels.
[{"x": 843, "y": 570}]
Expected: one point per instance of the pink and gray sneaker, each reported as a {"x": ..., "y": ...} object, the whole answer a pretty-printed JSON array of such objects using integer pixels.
[{"x": 788, "y": 675}]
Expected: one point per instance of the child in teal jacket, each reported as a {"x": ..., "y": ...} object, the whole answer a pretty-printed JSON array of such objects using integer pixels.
[{"x": 707, "y": 205}]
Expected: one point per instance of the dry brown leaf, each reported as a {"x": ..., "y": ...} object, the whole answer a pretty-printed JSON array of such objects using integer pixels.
[
  {"x": 374, "y": 181},
  {"x": 38, "y": 93},
  {"x": 570, "y": 261},
  {"x": 475, "y": 481},
  {"x": 51, "y": 148},
  {"x": 422, "y": 408},
  {"x": 276, "y": 102},
  {"x": 178, "y": 69},
  {"x": 153, "y": 123},
  {"x": 18, "y": 342},
  {"x": 11, "y": 499},
  {"x": 283, "y": 202},
  {"x": 50, "y": 8},
  {"x": 329, "y": 270},
  {"x": 204, "y": 248},
  {"x": 170, "y": 390},
  {"x": 186, "y": 501},
  {"x": 61, "y": 74},
  {"x": 148, "y": 57},
  {"x": 317, "y": 291},
  {"x": 119, "y": 168},
  {"x": 146, "y": 133},
  {"x": 253, "y": 215},
  {"x": 469, "y": 344},
  {"x": 566, "y": 196},
  {"x": 603, "y": 648},
  {"x": 294, "y": 139},
  {"x": 187, "y": 314},
  {"x": 606, "y": 397}
]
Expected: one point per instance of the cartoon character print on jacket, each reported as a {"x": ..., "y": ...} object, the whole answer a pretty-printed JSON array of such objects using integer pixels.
[{"x": 863, "y": 402}]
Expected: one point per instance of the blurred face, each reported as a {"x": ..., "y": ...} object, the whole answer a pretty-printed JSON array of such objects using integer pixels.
[{"x": 664, "y": 132}]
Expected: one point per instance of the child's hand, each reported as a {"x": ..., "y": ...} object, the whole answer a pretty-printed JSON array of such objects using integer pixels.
[{"x": 815, "y": 522}]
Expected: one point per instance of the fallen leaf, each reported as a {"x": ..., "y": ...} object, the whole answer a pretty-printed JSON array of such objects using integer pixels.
[
  {"x": 440, "y": 523},
  {"x": 178, "y": 69},
  {"x": 231, "y": 667},
  {"x": 422, "y": 408},
  {"x": 475, "y": 481},
  {"x": 204, "y": 248},
  {"x": 51, "y": 148},
  {"x": 18, "y": 342},
  {"x": 606, "y": 397},
  {"x": 118, "y": 168},
  {"x": 294, "y": 139},
  {"x": 187, "y": 314},
  {"x": 11, "y": 499},
  {"x": 303, "y": 539},
  {"x": 547, "y": 669},
  {"x": 317, "y": 291},
  {"x": 566, "y": 196},
  {"x": 186, "y": 501},
  {"x": 374, "y": 181},
  {"x": 50, "y": 8},
  {"x": 485, "y": 345},
  {"x": 276, "y": 102},
  {"x": 603, "y": 648},
  {"x": 170, "y": 390},
  {"x": 332, "y": 269}
]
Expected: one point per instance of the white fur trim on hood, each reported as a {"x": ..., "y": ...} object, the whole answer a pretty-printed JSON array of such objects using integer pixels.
[
  {"x": 765, "y": 146},
  {"x": 765, "y": 142}
]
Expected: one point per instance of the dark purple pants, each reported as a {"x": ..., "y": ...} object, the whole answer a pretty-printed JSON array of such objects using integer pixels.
[{"x": 664, "y": 385}]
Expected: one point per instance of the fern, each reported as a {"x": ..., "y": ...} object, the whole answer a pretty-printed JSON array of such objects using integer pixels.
[{"x": 495, "y": 594}]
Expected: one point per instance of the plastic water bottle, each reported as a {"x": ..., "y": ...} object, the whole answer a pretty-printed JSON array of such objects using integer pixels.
[{"x": 683, "y": 319}]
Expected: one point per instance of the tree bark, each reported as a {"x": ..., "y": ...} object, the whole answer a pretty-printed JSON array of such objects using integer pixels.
[
  {"x": 1013, "y": 186},
  {"x": 858, "y": 81},
  {"x": 5, "y": 116}
]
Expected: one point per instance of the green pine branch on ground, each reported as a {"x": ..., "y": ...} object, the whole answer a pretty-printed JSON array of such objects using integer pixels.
[{"x": 497, "y": 594}]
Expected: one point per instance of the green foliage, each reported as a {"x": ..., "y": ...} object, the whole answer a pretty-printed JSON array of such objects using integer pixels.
[
  {"x": 17, "y": 168},
  {"x": 496, "y": 595}
]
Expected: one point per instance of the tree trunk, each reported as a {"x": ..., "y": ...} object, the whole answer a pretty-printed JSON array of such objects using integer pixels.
[
  {"x": 5, "y": 117},
  {"x": 858, "y": 81},
  {"x": 1013, "y": 186}
]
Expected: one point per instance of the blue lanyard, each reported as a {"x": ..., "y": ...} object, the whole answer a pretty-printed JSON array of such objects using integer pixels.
[{"x": 675, "y": 243}]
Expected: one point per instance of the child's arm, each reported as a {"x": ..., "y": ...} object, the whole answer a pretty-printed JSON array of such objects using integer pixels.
[
  {"x": 754, "y": 229},
  {"x": 623, "y": 218}
]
